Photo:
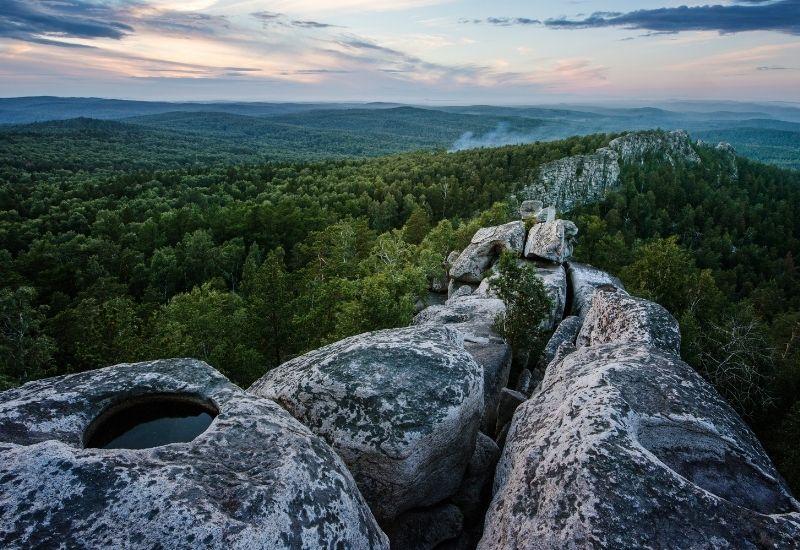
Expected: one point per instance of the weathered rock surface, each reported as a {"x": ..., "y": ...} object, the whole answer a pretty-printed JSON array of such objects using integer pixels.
[
  {"x": 426, "y": 528},
  {"x": 400, "y": 406},
  {"x": 628, "y": 447},
  {"x": 473, "y": 317},
  {"x": 486, "y": 245},
  {"x": 675, "y": 147},
  {"x": 529, "y": 208},
  {"x": 584, "y": 281},
  {"x": 524, "y": 382},
  {"x": 475, "y": 492},
  {"x": 535, "y": 211},
  {"x": 477, "y": 482},
  {"x": 256, "y": 478},
  {"x": 554, "y": 278},
  {"x": 729, "y": 159},
  {"x": 552, "y": 241},
  {"x": 580, "y": 179},
  {"x": 616, "y": 316},
  {"x": 460, "y": 292}
]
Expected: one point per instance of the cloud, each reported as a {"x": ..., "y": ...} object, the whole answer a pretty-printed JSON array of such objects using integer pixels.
[
  {"x": 747, "y": 15},
  {"x": 503, "y": 21},
  {"x": 49, "y": 21},
  {"x": 274, "y": 18}
]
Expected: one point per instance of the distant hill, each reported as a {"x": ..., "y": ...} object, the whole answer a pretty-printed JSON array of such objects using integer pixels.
[
  {"x": 181, "y": 134},
  {"x": 19, "y": 110}
]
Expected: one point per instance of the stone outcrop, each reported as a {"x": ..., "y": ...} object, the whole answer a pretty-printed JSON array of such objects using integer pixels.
[
  {"x": 571, "y": 181},
  {"x": 581, "y": 179},
  {"x": 401, "y": 407},
  {"x": 628, "y": 447},
  {"x": 608, "y": 441},
  {"x": 551, "y": 241},
  {"x": 675, "y": 147},
  {"x": 484, "y": 248},
  {"x": 256, "y": 478},
  {"x": 509, "y": 401},
  {"x": 477, "y": 482},
  {"x": 729, "y": 159},
  {"x": 616, "y": 316},
  {"x": 566, "y": 332},
  {"x": 584, "y": 280}
]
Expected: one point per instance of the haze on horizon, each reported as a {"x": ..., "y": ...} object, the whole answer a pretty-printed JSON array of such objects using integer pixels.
[{"x": 412, "y": 51}]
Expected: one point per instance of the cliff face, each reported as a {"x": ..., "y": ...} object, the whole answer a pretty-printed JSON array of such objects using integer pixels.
[{"x": 581, "y": 179}]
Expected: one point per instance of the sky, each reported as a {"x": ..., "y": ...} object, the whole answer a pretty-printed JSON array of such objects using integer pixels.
[{"x": 411, "y": 51}]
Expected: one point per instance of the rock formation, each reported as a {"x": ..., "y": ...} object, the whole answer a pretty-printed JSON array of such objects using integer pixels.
[
  {"x": 625, "y": 446},
  {"x": 473, "y": 317},
  {"x": 256, "y": 478},
  {"x": 400, "y": 406},
  {"x": 584, "y": 280},
  {"x": 616, "y": 316},
  {"x": 608, "y": 440},
  {"x": 484, "y": 248},
  {"x": 674, "y": 147},
  {"x": 552, "y": 241},
  {"x": 581, "y": 179}
]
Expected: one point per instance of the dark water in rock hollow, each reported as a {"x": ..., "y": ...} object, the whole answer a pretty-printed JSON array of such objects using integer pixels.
[{"x": 151, "y": 424}]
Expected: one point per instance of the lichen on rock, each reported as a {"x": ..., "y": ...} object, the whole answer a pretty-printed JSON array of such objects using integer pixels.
[
  {"x": 400, "y": 406},
  {"x": 627, "y": 446},
  {"x": 256, "y": 478}
]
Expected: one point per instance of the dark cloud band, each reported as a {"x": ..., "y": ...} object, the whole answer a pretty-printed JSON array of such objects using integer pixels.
[
  {"x": 46, "y": 21},
  {"x": 745, "y": 15}
]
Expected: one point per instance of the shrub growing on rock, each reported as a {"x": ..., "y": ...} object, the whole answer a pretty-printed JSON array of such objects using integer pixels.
[{"x": 527, "y": 305}]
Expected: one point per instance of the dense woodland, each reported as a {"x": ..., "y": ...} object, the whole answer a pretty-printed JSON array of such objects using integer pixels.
[{"x": 132, "y": 256}]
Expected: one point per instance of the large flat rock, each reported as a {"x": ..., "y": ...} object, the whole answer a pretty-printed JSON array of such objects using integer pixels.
[
  {"x": 256, "y": 478},
  {"x": 627, "y": 446},
  {"x": 400, "y": 406}
]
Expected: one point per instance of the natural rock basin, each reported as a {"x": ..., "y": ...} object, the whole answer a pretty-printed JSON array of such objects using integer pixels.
[{"x": 150, "y": 421}]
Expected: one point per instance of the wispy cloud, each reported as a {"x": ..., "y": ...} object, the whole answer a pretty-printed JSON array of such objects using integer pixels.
[{"x": 268, "y": 18}]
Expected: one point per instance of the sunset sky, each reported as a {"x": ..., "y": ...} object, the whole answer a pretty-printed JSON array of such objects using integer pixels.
[{"x": 422, "y": 51}]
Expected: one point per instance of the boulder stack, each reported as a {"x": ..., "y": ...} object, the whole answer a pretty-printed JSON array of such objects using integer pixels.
[{"x": 484, "y": 249}]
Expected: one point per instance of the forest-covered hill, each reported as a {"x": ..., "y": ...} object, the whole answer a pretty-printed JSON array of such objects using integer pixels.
[
  {"x": 111, "y": 250},
  {"x": 196, "y": 134}
]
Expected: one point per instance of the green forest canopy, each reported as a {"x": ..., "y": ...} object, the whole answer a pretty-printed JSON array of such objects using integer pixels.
[{"x": 109, "y": 258}]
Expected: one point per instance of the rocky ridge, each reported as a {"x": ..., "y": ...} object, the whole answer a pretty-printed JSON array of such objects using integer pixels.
[
  {"x": 579, "y": 179},
  {"x": 607, "y": 440}
]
